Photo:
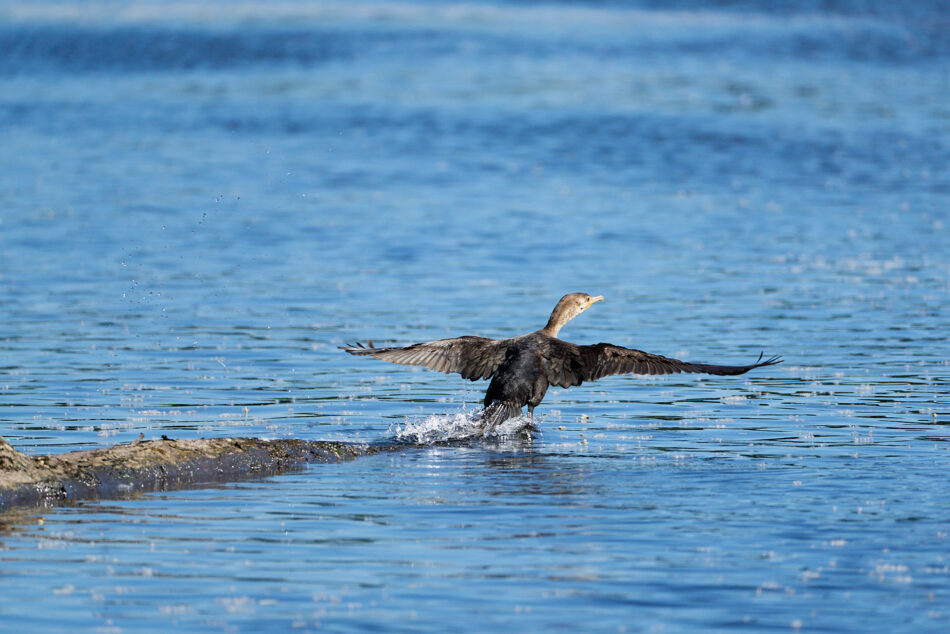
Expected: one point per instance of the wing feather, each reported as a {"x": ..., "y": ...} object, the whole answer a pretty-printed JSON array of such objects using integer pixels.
[
  {"x": 472, "y": 357},
  {"x": 569, "y": 364}
]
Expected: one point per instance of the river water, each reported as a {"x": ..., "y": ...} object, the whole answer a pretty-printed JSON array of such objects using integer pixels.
[{"x": 199, "y": 201}]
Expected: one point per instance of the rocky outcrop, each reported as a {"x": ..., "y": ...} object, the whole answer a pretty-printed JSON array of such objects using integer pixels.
[{"x": 155, "y": 465}]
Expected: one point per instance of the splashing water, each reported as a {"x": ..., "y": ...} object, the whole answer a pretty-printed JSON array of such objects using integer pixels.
[{"x": 460, "y": 426}]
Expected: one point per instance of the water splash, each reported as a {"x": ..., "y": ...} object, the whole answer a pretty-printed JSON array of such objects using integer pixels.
[{"x": 460, "y": 426}]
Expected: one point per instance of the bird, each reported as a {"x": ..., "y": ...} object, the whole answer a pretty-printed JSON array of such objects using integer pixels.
[{"x": 522, "y": 368}]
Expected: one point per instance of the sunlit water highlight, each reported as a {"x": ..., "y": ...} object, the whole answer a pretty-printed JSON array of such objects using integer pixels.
[{"x": 201, "y": 200}]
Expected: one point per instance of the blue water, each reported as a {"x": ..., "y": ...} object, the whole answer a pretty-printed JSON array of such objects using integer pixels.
[{"x": 199, "y": 201}]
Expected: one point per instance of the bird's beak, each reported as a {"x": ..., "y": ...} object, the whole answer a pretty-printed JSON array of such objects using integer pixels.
[{"x": 594, "y": 300}]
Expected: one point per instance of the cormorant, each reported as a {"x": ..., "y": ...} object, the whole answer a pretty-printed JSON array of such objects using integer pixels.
[{"x": 522, "y": 368}]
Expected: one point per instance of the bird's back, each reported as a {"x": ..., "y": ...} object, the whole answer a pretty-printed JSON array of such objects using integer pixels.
[{"x": 520, "y": 379}]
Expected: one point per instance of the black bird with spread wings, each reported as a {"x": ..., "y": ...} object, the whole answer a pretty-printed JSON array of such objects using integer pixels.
[{"x": 522, "y": 368}]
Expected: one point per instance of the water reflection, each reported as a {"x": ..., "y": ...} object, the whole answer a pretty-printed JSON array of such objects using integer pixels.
[{"x": 18, "y": 519}]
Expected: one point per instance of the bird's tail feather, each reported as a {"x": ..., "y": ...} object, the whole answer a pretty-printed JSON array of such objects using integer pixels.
[{"x": 496, "y": 413}]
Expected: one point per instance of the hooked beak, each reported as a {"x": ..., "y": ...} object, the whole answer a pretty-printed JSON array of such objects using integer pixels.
[{"x": 594, "y": 300}]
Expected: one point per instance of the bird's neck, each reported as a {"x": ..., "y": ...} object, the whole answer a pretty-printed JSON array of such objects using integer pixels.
[{"x": 554, "y": 325}]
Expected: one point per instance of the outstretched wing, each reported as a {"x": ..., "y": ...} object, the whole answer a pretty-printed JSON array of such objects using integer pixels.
[
  {"x": 569, "y": 364},
  {"x": 472, "y": 357}
]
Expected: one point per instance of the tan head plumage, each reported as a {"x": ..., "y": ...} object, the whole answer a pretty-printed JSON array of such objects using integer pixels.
[{"x": 569, "y": 307}]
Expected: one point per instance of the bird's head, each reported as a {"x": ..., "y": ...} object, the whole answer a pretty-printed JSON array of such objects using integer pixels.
[{"x": 569, "y": 307}]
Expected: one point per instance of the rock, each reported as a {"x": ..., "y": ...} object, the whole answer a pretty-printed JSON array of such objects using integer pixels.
[{"x": 155, "y": 465}]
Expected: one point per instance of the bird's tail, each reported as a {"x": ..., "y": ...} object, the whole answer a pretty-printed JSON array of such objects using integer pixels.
[{"x": 497, "y": 412}]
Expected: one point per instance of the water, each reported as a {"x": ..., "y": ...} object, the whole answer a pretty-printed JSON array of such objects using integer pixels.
[{"x": 200, "y": 201}]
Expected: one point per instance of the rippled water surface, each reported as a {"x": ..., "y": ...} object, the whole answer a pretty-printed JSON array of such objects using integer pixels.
[{"x": 199, "y": 201}]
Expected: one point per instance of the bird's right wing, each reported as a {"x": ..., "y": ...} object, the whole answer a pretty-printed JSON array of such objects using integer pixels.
[
  {"x": 472, "y": 357},
  {"x": 570, "y": 364}
]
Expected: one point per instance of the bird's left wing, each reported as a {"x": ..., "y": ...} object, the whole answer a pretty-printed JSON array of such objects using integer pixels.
[
  {"x": 472, "y": 357},
  {"x": 569, "y": 364}
]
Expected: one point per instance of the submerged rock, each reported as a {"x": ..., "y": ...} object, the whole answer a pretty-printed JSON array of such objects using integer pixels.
[{"x": 155, "y": 465}]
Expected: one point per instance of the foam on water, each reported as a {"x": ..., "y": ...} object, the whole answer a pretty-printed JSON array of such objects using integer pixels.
[{"x": 460, "y": 426}]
